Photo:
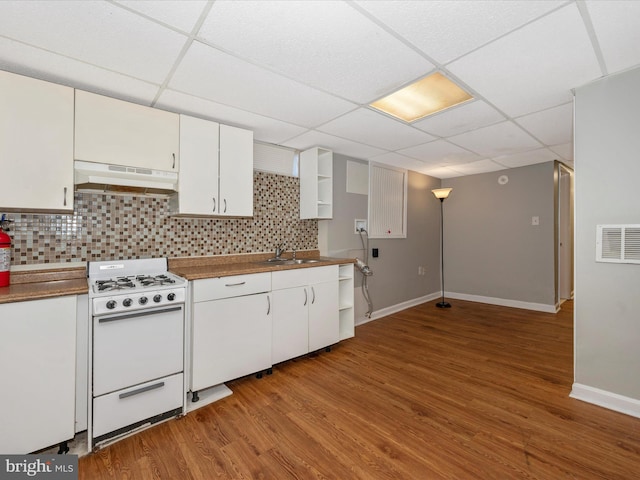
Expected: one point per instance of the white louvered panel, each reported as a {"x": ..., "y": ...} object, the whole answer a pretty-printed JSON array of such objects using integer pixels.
[
  {"x": 387, "y": 202},
  {"x": 618, "y": 243},
  {"x": 274, "y": 159}
]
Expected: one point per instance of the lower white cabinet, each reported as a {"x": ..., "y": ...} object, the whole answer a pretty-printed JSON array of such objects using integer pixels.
[
  {"x": 231, "y": 337},
  {"x": 38, "y": 371},
  {"x": 305, "y": 311}
]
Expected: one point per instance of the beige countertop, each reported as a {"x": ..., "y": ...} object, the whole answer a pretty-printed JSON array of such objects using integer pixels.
[
  {"x": 46, "y": 283},
  {"x": 197, "y": 268},
  {"x": 54, "y": 282}
]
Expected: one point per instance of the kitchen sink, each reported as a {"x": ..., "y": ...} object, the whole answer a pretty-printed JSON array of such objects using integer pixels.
[{"x": 288, "y": 261}]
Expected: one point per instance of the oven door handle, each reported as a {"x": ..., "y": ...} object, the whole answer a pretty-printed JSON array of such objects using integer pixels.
[
  {"x": 138, "y": 314},
  {"x": 141, "y": 390}
]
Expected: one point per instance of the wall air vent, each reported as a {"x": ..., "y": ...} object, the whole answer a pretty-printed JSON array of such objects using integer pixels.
[{"x": 618, "y": 243}]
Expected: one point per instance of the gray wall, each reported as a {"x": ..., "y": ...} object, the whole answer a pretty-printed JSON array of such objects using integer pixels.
[
  {"x": 395, "y": 278},
  {"x": 491, "y": 247},
  {"x": 607, "y": 305}
]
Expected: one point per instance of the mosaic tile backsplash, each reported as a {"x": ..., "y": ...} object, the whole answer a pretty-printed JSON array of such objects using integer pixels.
[{"x": 106, "y": 227}]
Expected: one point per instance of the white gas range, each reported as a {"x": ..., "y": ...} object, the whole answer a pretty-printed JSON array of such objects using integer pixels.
[{"x": 137, "y": 347}]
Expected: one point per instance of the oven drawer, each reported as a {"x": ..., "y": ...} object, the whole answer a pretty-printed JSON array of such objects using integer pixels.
[
  {"x": 130, "y": 405},
  {"x": 233, "y": 286},
  {"x": 129, "y": 349}
]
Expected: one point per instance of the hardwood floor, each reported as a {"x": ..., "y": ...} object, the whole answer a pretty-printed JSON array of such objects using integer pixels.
[{"x": 477, "y": 391}]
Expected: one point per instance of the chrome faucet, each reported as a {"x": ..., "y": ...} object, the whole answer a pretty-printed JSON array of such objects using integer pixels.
[{"x": 279, "y": 250}]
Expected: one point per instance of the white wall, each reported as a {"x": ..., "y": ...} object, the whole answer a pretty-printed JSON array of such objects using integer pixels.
[{"x": 607, "y": 298}]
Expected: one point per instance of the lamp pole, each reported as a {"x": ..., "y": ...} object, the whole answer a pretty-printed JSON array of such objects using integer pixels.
[{"x": 441, "y": 194}]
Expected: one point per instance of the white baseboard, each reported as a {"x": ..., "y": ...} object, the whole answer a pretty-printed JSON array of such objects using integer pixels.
[
  {"x": 603, "y": 398},
  {"x": 397, "y": 308},
  {"x": 538, "y": 307}
]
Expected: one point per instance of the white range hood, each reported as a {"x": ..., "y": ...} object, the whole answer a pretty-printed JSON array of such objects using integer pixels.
[{"x": 117, "y": 178}]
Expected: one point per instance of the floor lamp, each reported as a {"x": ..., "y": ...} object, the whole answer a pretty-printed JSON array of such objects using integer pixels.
[{"x": 441, "y": 194}]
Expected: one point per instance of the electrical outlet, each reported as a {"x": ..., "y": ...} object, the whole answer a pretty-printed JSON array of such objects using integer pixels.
[
  {"x": 535, "y": 220},
  {"x": 359, "y": 225}
]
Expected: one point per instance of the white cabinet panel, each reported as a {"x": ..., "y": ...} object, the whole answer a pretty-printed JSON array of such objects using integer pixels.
[
  {"x": 216, "y": 170},
  {"x": 112, "y": 131},
  {"x": 231, "y": 339},
  {"x": 236, "y": 171},
  {"x": 38, "y": 371},
  {"x": 324, "y": 321},
  {"x": 36, "y": 144},
  {"x": 290, "y": 324},
  {"x": 198, "y": 179},
  {"x": 232, "y": 286}
]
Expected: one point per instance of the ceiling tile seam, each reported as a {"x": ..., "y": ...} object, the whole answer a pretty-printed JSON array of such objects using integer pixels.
[
  {"x": 591, "y": 32},
  {"x": 99, "y": 67},
  {"x": 183, "y": 51},
  {"x": 270, "y": 69},
  {"x": 379, "y": 23},
  {"x": 520, "y": 27},
  {"x": 570, "y": 102},
  {"x": 151, "y": 19}
]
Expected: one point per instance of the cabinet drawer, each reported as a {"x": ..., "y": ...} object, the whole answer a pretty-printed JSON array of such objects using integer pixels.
[
  {"x": 303, "y": 276},
  {"x": 233, "y": 286},
  {"x": 131, "y": 405}
]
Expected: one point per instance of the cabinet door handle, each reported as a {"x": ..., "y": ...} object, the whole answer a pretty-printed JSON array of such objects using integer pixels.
[
  {"x": 214, "y": 203},
  {"x": 234, "y": 284},
  {"x": 225, "y": 206},
  {"x": 64, "y": 201},
  {"x": 268, "y": 304},
  {"x": 174, "y": 161},
  {"x": 306, "y": 297},
  {"x": 313, "y": 298},
  {"x": 141, "y": 390}
]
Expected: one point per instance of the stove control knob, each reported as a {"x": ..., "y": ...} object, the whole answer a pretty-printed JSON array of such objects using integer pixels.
[
  {"x": 127, "y": 302},
  {"x": 171, "y": 297},
  {"x": 157, "y": 298},
  {"x": 111, "y": 304},
  {"x": 142, "y": 300}
]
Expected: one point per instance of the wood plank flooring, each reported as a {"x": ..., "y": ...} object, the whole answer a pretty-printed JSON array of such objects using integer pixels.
[{"x": 474, "y": 392}]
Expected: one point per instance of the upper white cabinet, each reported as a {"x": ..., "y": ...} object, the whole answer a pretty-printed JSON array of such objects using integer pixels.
[
  {"x": 198, "y": 177},
  {"x": 216, "y": 170},
  {"x": 122, "y": 133},
  {"x": 36, "y": 144},
  {"x": 38, "y": 371},
  {"x": 236, "y": 171},
  {"x": 316, "y": 183}
]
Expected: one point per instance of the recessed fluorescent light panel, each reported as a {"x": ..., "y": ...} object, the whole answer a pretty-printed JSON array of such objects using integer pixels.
[{"x": 427, "y": 96}]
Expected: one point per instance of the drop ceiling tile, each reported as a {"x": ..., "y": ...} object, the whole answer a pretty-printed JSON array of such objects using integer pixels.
[
  {"x": 98, "y": 33},
  {"x": 496, "y": 140},
  {"x": 264, "y": 129},
  {"x": 565, "y": 151},
  {"x": 328, "y": 45},
  {"x": 177, "y": 13},
  {"x": 616, "y": 26},
  {"x": 371, "y": 128},
  {"x": 212, "y": 74},
  {"x": 552, "y": 126},
  {"x": 481, "y": 166},
  {"x": 540, "y": 155},
  {"x": 534, "y": 67},
  {"x": 400, "y": 161},
  {"x": 447, "y": 29},
  {"x": 440, "y": 152},
  {"x": 37, "y": 63},
  {"x": 463, "y": 118},
  {"x": 336, "y": 144}
]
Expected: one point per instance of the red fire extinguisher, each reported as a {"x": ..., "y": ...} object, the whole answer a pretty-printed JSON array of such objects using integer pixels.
[{"x": 5, "y": 255}]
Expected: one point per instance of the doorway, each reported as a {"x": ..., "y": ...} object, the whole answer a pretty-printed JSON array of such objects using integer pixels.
[{"x": 564, "y": 229}]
